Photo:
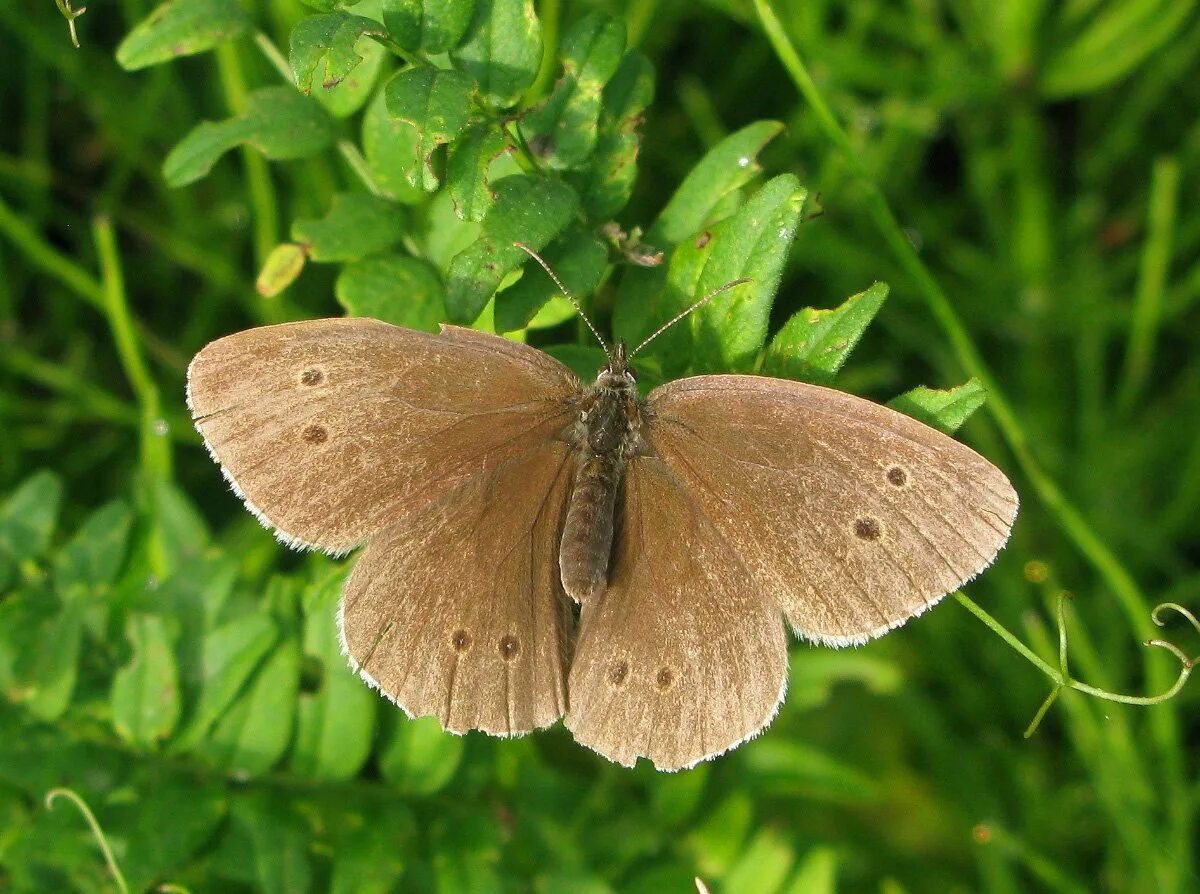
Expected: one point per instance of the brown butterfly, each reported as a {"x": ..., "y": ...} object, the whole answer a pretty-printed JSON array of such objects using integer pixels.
[{"x": 490, "y": 485}]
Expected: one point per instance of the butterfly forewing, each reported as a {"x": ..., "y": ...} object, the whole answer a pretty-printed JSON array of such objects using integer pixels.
[
  {"x": 683, "y": 656},
  {"x": 333, "y": 429},
  {"x": 457, "y": 610},
  {"x": 852, "y": 516}
]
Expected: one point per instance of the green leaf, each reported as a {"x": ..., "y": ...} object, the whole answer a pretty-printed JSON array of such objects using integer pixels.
[
  {"x": 719, "y": 839},
  {"x": 357, "y": 224},
  {"x": 231, "y": 653},
  {"x": 583, "y": 360},
  {"x": 754, "y": 243},
  {"x": 145, "y": 693},
  {"x": 813, "y": 344},
  {"x": 278, "y": 122},
  {"x": 763, "y": 867},
  {"x": 393, "y": 288},
  {"x": 787, "y": 767},
  {"x": 813, "y": 674},
  {"x": 467, "y": 169},
  {"x": 676, "y": 797},
  {"x": 944, "y": 410},
  {"x": 369, "y": 852},
  {"x": 562, "y": 130},
  {"x": 179, "y": 528},
  {"x": 528, "y": 209},
  {"x": 172, "y": 819},
  {"x": 181, "y": 28},
  {"x": 817, "y": 873},
  {"x": 727, "y": 167},
  {"x": 281, "y": 268},
  {"x": 436, "y": 103},
  {"x": 428, "y": 26},
  {"x": 253, "y": 735},
  {"x": 419, "y": 756},
  {"x": 608, "y": 181},
  {"x": 29, "y": 515},
  {"x": 48, "y": 669},
  {"x": 336, "y": 724},
  {"x": 390, "y": 147},
  {"x": 502, "y": 50},
  {"x": 279, "y": 840},
  {"x": 577, "y": 257},
  {"x": 97, "y": 551},
  {"x": 323, "y": 48}
]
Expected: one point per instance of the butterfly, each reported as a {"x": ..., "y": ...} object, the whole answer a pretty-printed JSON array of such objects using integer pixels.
[{"x": 538, "y": 549}]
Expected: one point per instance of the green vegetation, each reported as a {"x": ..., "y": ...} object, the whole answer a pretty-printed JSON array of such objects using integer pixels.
[{"x": 174, "y": 710}]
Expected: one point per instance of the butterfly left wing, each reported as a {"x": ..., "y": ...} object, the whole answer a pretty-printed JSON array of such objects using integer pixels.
[
  {"x": 682, "y": 657},
  {"x": 457, "y": 611}
]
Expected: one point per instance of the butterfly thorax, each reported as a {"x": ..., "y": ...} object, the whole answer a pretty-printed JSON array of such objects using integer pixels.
[{"x": 605, "y": 435}]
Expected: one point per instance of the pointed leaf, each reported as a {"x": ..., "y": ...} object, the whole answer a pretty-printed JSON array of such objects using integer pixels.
[
  {"x": 145, "y": 692},
  {"x": 278, "y": 122},
  {"x": 28, "y": 516},
  {"x": 579, "y": 259},
  {"x": 763, "y": 867},
  {"x": 467, "y": 169},
  {"x": 181, "y": 28},
  {"x": 357, "y": 224},
  {"x": 393, "y": 288},
  {"x": 436, "y": 103},
  {"x": 816, "y": 874},
  {"x": 428, "y": 26},
  {"x": 813, "y": 344},
  {"x": 944, "y": 410},
  {"x": 528, "y": 209},
  {"x": 97, "y": 551},
  {"x": 562, "y": 130},
  {"x": 502, "y": 50}
]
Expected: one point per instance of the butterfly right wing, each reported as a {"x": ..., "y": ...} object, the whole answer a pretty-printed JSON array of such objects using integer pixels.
[
  {"x": 331, "y": 430},
  {"x": 457, "y": 610}
]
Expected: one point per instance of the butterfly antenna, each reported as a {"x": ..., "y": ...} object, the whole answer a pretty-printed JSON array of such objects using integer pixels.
[
  {"x": 558, "y": 282},
  {"x": 699, "y": 304}
]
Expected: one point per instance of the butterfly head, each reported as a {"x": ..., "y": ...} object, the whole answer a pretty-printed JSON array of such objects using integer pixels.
[{"x": 617, "y": 374}]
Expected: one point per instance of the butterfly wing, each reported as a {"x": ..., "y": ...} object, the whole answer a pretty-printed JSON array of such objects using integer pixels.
[
  {"x": 682, "y": 657},
  {"x": 331, "y": 430},
  {"x": 852, "y": 516},
  {"x": 457, "y": 610}
]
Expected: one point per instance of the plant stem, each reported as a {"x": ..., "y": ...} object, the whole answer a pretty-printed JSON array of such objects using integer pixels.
[{"x": 49, "y": 259}]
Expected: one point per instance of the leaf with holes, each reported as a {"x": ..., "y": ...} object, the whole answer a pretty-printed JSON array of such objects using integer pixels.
[
  {"x": 577, "y": 257},
  {"x": 945, "y": 410},
  {"x": 390, "y": 148},
  {"x": 181, "y": 28},
  {"x": 467, "y": 169},
  {"x": 502, "y": 50},
  {"x": 813, "y": 344},
  {"x": 607, "y": 182},
  {"x": 145, "y": 693},
  {"x": 394, "y": 288},
  {"x": 278, "y": 122},
  {"x": 434, "y": 102},
  {"x": 357, "y": 224},
  {"x": 427, "y": 26},
  {"x": 528, "y": 209},
  {"x": 562, "y": 130},
  {"x": 323, "y": 48}
]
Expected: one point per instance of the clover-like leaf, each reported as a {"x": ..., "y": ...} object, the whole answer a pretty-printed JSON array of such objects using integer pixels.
[
  {"x": 97, "y": 551},
  {"x": 502, "y": 50},
  {"x": 145, "y": 692},
  {"x": 813, "y": 344},
  {"x": 323, "y": 48},
  {"x": 577, "y": 257},
  {"x": 607, "y": 182},
  {"x": 181, "y": 28},
  {"x": 393, "y": 288},
  {"x": 390, "y": 148},
  {"x": 467, "y": 168},
  {"x": 357, "y": 224},
  {"x": 528, "y": 209},
  {"x": 29, "y": 515},
  {"x": 946, "y": 409},
  {"x": 436, "y": 103},
  {"x": 562, "y": 130},
  {"x": 427, "y": 26},
  {"x": 278, "y": 122}
]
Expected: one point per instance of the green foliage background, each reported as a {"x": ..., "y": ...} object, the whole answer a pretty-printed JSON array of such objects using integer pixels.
[{"x": 1022, "y": 174}]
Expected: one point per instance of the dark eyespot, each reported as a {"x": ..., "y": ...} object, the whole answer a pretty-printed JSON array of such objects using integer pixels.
[
  {"x": 665, "y": 678},
  {"x": 312, "y": 376},
  {"x": 618, "y": 671},
  {"x": 460, "y": 640},
  {"x": 897, "y": 476},
  {"x": 867, "y": 528},
  {"x": 509, "y": 647},
  {"x": 315, "y": 434}
]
